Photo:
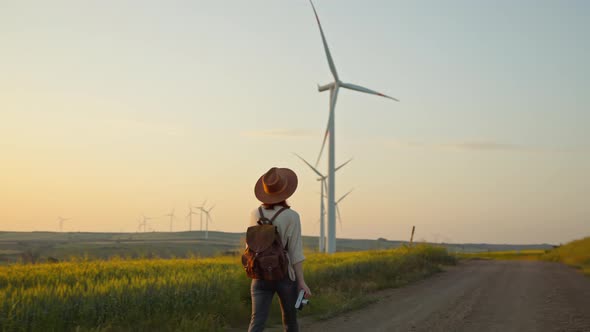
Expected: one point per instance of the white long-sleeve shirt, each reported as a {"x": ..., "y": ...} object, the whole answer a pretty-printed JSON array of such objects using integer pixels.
[{"x": 289, "y": 228}]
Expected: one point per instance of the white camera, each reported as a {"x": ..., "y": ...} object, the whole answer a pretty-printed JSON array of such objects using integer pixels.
[{"x": 301, "y": 302}]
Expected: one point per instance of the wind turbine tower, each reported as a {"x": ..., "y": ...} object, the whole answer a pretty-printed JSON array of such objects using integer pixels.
[{"x": 330, "y": 132}]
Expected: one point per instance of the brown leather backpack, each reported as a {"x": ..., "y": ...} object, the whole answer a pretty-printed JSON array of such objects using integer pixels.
[{"x": 265, "y": 257}]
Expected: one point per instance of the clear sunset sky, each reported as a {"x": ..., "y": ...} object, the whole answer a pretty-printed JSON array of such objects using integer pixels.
[{"x": 111, "y": 109}]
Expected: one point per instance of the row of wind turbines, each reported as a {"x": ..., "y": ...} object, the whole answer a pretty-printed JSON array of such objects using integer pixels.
[
  {"x": 142, "y": 226},
  {"x": 202, "y": 212},
  {"x": 328, "y": 182}
]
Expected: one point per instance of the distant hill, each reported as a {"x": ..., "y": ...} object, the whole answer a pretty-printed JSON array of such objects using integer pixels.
[{"x": 43, "y": 246}]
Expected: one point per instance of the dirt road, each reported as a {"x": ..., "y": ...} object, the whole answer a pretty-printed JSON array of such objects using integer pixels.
[{"x": 478, "y": 296}]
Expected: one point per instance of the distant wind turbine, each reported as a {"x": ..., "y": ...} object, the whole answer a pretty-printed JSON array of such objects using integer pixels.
[
  {"x": 190, "y": 217},
  {"x": 330, "y": 132},
  {"x": 143, "y": 223},
  {"x": 61, "y": 223},
  {"x": 171, "y": 215},
  {"x": 322, "y": 178},
  {"x": 201, "y": 207},
  {"x": 207, "y": 219}
]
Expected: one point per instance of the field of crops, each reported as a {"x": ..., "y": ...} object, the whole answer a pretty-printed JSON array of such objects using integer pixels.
[{"x": 188, "y": 294}]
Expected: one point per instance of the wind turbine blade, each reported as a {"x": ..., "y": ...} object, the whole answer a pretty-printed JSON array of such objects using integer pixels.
[
  {"x": 333, "y": 98},
  {"x": 343, "y": 196},
  {"x": 339, "y": 167},
  {"x": 324, "y": 142},
  {"x": 365, "y": 90},
  {"x": 308, "y": 164},
  {"x": 325, "y": 188},
  {"x": 328, "y": 55},
  {"x": 339, "y": 217},
  {"x": 211, "y": 209}
]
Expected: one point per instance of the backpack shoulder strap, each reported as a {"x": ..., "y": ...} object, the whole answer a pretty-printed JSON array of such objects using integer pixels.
[
  {"x": 277, "y": 214},
  {"x": 273, "y": 219},
  {"x": 262, "y": 219}
]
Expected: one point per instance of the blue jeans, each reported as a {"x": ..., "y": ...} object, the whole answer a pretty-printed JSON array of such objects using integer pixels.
[{"x": 262, "y": 292}]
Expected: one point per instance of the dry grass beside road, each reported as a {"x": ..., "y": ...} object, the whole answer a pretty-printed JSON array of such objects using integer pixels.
[{"x": 575, "y": 253}]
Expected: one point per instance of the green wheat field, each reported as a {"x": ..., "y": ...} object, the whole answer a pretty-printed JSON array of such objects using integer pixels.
[{"x": 189, "y": 294}]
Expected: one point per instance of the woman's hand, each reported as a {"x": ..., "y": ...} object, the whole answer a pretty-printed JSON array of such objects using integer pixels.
[
  {"x": 303, "y": 285},
  {"x": 298, "y": 267}
]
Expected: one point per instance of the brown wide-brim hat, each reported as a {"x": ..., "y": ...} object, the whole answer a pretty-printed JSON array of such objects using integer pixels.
[{"x": 276, "y": 185}]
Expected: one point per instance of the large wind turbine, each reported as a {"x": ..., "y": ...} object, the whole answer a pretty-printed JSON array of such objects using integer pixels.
[
  {"x": 322, "y": 178},
  {"x": 330, "y": 131}
]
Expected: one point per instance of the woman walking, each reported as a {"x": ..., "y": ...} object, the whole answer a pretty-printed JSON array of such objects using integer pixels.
[{"x": 272, "y": 189}]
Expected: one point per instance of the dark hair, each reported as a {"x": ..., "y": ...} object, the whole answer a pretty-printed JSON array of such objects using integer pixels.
[{"x": 272, "y": 206}]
